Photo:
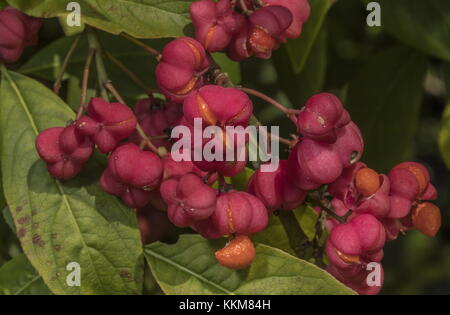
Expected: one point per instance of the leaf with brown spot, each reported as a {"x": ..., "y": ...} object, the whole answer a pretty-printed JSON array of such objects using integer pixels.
[
  {"x": 91, "y": 227},
  {"x": 18, "y": 277}
]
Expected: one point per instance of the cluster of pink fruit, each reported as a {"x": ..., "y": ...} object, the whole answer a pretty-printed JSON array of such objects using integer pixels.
[
  {"x": 382, "y": 206},
  {"x": 17, "y": 31},
  {"x": 377, "y": 207},
  {"x": 248, "y": 28},
  {"x": 372, "y": 207},
  {"x": 242, "y": 28}
]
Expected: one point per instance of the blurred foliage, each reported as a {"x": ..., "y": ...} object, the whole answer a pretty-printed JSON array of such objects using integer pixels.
[
  {"x": 371, "y": 67},
  {"x": 395, "y": 79}
]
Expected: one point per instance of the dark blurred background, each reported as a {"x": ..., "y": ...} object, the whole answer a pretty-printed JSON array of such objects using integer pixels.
[
  {"x": 396, "y": 92},
  {"x": 360, "y": 67}
]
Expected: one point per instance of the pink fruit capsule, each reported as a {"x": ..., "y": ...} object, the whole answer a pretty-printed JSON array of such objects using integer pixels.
[
  {"x": 17, "y": 31},
  {"x": 312, "y": 164},
  {"x": 240, "y": 213},
  {"x": 189, "y": 199},
  {"x": 267, "y": 26},
  {"x": 218, "y": 106},
  {"x": 275, "y": 190},
  {"x": 133, "y": 197},
  {"x": 300, "y": 10},
  {"x": 215, "y": 23},
  {"x": 107, "y": 123},
  {"x": 319, "y": 119},
  {"x": 134, "y": 167},
  {"x": 349, "y": 144},
  {"x": 64, "y": 151},
  {"x": 180, "y": 70}
]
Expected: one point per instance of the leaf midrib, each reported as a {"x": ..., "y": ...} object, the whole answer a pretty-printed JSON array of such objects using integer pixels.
[
  {"x": 26, "y": 285},
  {"x": 186, "y": 270},
  {"x": 58, "y": 184}
]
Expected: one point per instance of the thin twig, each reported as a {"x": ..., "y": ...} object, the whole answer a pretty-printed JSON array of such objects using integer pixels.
[
  {"x": 102, "y": 75},
  {"x": 142, "y": 45},
  {"x": 297, "y": 238},
  {"x": 244, "y": 7},
  {"x": 110, "y": 87},
  {"x": 58, "y": 83},
  {"x": 288, "y": 111},
  {"x": 331, "y": 213},
  {"x": 288, "y": 142},
  {"x": 128, "y": 72},
  {"x": 85, "y": 82},
  {"x": 146, "y": 139}
]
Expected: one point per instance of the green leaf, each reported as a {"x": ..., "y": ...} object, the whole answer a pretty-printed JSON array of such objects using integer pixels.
[
  {"x": 425, "y": 25},
  {"x": 46, "y": 64},
  {"x": 9, "y": 219},
  {"x": 307, "y": 218},
  {"x": 233, "y": 69},
  {"x": 62, "y": 222},
  {"x": 139, "y": 18},
  {"x": 274, "y": 235},
  {"x": 384, "y": 100},
  {"x": 70, "y": 30},
  {"x": 18, "y": 277},
  {"x": 2, "y": 197},
  {"x": 302, "y": 85},
  {"x": 240, "y": 181},
  {"x": 444, "y": 136},
  {"x": 189, "y": 267},
  {"x": 300, "y": 48}
]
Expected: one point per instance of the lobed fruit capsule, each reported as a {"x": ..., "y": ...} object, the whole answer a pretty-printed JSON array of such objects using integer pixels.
[
  {"x": 275, "y": 190},
  {"x": 215, "y": 23},
  {"x": 349, "y": 144},
  {"x": 64, "y": 151},
  {"x": 17, "y": 31},
  {"x": 410, "y": 182},
  {"x": 300, "y": 10},
  {"x": 236, "y": 213},
  {"x": 183, "y": 62},
  {"x": 307, "y": 163},
  {"x": 321, "y": 116},
  {"x": 266, "y": 27},
  {"x": 218, "y": 106},
  {"x": 189, "y": 199},
  {"x": 363, "y": 235},
  {"x": 107, "y": 123},
  {"x": 132, "y": 174}
]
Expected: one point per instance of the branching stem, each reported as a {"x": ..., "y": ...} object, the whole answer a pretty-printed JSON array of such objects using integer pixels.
[
  {"x": 58, "y": 83},
  {"x": 289, "y": 112},
  {"x": 85, "y": 82},
  {"x": 145, "y": 139},
  {"x": 143, "y": 45},
  {"x": 130, "y": 74}
]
